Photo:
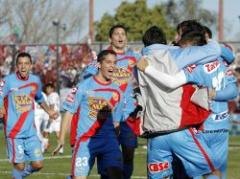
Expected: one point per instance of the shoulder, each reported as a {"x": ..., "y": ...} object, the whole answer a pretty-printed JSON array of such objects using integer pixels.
[{"x": 34, "y": 77}]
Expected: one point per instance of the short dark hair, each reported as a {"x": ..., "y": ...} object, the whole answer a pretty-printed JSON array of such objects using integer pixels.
[
  {"x": 50, "y": 84},
  {"x": 196, "y": 38},
  {"x": 207, "y": 31},
  {"x": 101, "y": 56},
  {"x": 154, "y": 35},
  {"x": 189, "y": 25},
  {"x": 116, "y": 27},
  {"x": 23, "y": 54}
]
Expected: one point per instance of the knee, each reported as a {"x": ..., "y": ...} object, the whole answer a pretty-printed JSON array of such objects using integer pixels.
[
  {"x": 19, "y": 166},
  {"x": 37, "y": 165}
]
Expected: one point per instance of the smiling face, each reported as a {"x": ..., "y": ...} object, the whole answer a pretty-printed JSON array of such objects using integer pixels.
[
  {"x": 24, "y": 66},
  {"x": 106, "y": 67},
  {"x": 118, "y": 39}
]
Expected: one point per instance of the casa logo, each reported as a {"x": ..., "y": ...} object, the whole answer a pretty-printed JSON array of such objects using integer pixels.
[
  {"x": 191, "y": 68},
  {"x": 158, "y": 167},
  {"x": 211, "y": 67},
  {"x": 23, "y": 102},
  {"x": 121, "y": 75},
  {"x": 98, "y": 106}
]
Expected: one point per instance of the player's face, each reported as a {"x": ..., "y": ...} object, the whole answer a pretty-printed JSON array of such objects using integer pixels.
[
  {"x": 24, "y": 66},
  {"x": 107, "y": 66},
  {"x": 119, "y": 39}
]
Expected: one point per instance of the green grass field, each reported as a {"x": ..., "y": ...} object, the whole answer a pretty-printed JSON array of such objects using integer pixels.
[{"x": 58, "y": 167}]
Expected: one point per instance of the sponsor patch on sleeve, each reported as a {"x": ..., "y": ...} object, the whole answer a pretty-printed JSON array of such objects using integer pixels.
[{"x": 158, "y": 166}]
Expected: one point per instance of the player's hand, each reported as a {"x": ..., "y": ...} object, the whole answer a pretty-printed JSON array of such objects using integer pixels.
[
  {"x": 142, "y": 64},
  {"x": 57, "y": 149},
  {"x": 53, "y": 114},
  {"x": 211, "y": 93},
  {"x": 2, "y": 112}
]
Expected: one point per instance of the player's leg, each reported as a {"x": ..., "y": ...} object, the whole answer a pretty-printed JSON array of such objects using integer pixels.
[
  {"x": 56, "y": 125},
  {"x": 110, "y": 162},
  {"x": 82, "y": 160},
  {"x": 159, "y": 157},
  {"x": 34, "y": 153},
  {"x": 198, "y": 159},
  {"x": 179, "y": 171},
  {"x": 128, "y": 141},
  {"x": 15, "y": 150}
]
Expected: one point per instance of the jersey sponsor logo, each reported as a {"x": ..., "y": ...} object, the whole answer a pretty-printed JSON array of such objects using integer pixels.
[
  {"x": 191, "y": 68},
  {"x": 212, "y": 66},
  {"x": 23, "y": 102},
  {"x": 99, "y": 108},
  {"x": 158, "y": 167},
  {"x": 121, "y": 75}
]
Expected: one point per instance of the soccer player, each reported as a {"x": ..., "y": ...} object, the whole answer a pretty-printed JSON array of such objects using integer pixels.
[
  {"x": 169, "y": 115},
  {"x": 125, "y": 76},
  {"x": 213, "y": 75},
  {"x": 54, "y": 103},
  {"x": 101, "y": 108},
  {"x": 17, "y": 94}
]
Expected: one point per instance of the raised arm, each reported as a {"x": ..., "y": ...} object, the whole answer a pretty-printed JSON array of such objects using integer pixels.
[{"x": 196, "y": 54}]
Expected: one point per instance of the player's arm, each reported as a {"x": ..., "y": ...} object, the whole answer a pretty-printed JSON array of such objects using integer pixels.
[
  {"x": 71, "y": 104},
  {"x": 227, "y": 54},
  {"x": 170, "y": 81},
  {"x": 63, "y": 130},
  {"x": 196, "y": 54},
  {"x": 3, "y": 93},
  {"x": 89, "y": 70},
  {"x": 229, "y": 92}
]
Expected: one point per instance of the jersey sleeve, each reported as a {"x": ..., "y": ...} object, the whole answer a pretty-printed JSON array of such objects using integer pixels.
[
  {"x": 227, "y": 54},
  {"x": 89, "y": 71},
  {"x": 73, "y": 99},
  {"x": 196, "y": 54},
  {"x": 167, "y": 80},
  {"x": 230, "y": 89},
  {"x": 3, "y": 90},
  {"x": 39, "y": 97},
  {"x": 194, "y": 75}
]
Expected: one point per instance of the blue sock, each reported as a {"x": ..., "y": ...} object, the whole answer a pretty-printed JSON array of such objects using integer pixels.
[
  {"x": 28, "y": 170},
  {"x": 17, "y": 174},
  {"x": 212, "y": 177},
  {"x": 69, "y": 177},
  {"x": 127, "y": 171}
]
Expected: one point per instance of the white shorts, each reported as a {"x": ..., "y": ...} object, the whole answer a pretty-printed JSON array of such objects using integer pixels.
[{"x": 53, "y": 126}]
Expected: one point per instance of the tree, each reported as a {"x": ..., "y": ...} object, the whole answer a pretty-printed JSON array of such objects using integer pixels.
[
  {"x": 31, "y": 20},
  {"x": 137, "y": 17},
  {"x": 177, "y": 11}
]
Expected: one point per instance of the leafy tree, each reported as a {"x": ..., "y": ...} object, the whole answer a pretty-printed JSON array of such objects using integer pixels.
[
  {"x": 137, "y": 17},
  {"x": 31, "y": 21},
  {"x": 177, "y": 11}
]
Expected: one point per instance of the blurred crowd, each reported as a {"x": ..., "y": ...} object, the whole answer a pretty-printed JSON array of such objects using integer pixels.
[{"x": 72, "y": 59}]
